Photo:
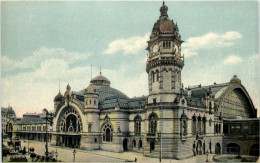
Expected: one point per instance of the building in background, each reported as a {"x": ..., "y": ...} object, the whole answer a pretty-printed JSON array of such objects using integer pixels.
[
  {"x": 7, "y": 116},
  {"x": 32, "y": 126}
]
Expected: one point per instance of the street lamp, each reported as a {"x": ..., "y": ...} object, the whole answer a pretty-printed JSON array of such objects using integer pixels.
[
  {"x": 74, "y": 154},
  {"x": 56, "y": 155},
  {"x": 28, "y": 144},
  {"x": 160, "y": 140},
  {"x": 48, "y": 118}
]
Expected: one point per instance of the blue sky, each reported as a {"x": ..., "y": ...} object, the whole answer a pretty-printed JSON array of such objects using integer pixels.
[{"x": 43, "y": 42}]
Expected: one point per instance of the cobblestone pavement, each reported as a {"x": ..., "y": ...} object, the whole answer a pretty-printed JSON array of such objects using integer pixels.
[{"x": 66, "y": 154}]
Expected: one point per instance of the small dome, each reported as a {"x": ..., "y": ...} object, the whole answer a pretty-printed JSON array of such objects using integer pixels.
[
  {"x": 235, "y": 80},
  {"x": 100, "y": 80},
  {"x": 10, "y": 111},
  {"x": 91, "y": 89},
  {"x": 68, "y": 88},
  {"x": 58, "y": 97}
]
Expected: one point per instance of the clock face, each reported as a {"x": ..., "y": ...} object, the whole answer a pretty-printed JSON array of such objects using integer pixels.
[
  {"x": 155, "y": 48},
  {"x": 176, "y": 48}
]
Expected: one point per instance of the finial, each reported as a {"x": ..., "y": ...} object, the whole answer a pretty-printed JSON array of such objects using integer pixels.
[
  {"x": 164, "y": 10},
  {"x": 91, "y": 72},
  {"x": 59, "y": 85},
  {"x": 100, "y": 70},
  {"x": 68, "y": 87}
]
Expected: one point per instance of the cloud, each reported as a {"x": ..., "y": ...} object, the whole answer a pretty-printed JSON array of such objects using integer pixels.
[
  {"x": 43, "y": 54},
  {"x": 209, "y": 41},
  {"x": 130, "y": 45},
  {"x": 31, "y": 91},
  {"x": 255, "y": 57},
  {"x": 232, "y": 59}
]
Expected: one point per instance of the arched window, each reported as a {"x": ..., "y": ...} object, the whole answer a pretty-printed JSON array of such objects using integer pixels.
[
  {"x": 90, "y": 102},
  {"x": 219, "y": 128},
  {"x": 199, "y": 125},
  {"x": 193, "y": 125},
  {"x": 157, "y": 75},
  {"x": 137, "y": 125},
  {"x": 204, "y": 125},
  {"x": 107, "y": 132},
  {"x": 153, "y": 123},
  {"x": 134, "y": 143},
  {"x": 94, "y": 102},
  {"x": 184, "y": 127},
  {"x": 177, "y": 76},
  {"x": 210, "y": 107},
  {"x": 153, "y": 76}
]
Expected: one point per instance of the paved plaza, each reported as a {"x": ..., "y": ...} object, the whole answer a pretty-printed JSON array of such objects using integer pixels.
[{"x": 66, "y": 155}]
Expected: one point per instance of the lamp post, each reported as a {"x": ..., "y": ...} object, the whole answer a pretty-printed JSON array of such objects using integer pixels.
[
  {"x": 48, "y": 118},
  {"x": 207, "y": 160},
  {"x": 160, "y": 140},
  {"x": 27, "y": 145},
  {"x": 56, "y": 155},
  {"x": 74, "y": 154}
]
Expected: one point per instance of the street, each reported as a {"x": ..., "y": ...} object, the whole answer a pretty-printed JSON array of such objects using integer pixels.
[{"x": 66, "y": 154}]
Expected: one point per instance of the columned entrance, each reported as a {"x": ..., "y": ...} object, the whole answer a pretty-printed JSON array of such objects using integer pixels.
[{"x": 71, "y": 141}]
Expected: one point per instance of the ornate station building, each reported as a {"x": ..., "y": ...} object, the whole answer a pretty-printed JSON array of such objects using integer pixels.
[{"x": 170, "y": 121}]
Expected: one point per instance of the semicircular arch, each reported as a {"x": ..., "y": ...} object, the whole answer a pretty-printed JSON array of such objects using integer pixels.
[
  {"x": 64, "y": 112},
  {"x": 237, "y": 90}
]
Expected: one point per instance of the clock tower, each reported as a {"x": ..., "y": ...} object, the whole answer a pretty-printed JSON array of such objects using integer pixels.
[{"x": 164, "y": 60}]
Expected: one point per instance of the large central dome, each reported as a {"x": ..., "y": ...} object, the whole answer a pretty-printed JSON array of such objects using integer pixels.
[{"x": 101, "y": 86}]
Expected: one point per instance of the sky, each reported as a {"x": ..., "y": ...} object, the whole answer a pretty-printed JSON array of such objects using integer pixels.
[{"x": 43, "y": 43}]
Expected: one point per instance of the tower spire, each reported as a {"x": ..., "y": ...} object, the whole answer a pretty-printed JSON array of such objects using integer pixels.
[{"x": 164, "y": 10}]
